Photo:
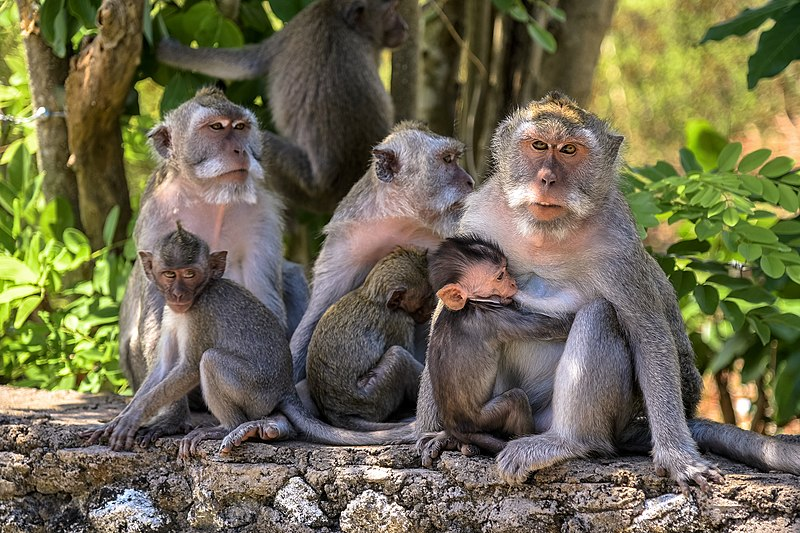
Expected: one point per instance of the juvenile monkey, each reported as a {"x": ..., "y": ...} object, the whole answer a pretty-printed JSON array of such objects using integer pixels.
[
  {"x": 216, "y": 333},
  {"x": 477, "y": 316},
  {"x": 322, "y": 71},
  {"x": 554, "y": 205},
  {"x": 210, "y": 177},
  {"x": 360, "y": 363},
  {"x": 411, "y": 196}
]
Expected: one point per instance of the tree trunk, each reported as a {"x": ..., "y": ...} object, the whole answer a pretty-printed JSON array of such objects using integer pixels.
[
  {"x": 405, "y": 64},
  {"x": 98, "y": 83},
  {"x": 571, "y": 68},
  {"x": 46, "y": 76}
]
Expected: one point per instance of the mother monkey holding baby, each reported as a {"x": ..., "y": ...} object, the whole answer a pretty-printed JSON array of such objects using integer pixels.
[{"x": 625, "y": 379}]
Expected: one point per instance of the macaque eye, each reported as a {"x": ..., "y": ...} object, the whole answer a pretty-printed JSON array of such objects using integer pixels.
[
  {"x": 239, "y": 126},
  {"x": 449, "y": 158},
  {"x": 539, "y": 145},
  {"x": 168, "y": 274},
  {"x": 501, "y": 275},
  {"x": 188, "y": 274},
  {"x": 216, "y": 126},
  {"x": 568, "y": 149}
]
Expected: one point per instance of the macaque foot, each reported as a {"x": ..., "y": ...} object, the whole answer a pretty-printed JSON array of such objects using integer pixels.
[
  {"x": 120, "y": 432},
  {"x": 149, "y": 434},
  {"x": 189, "y": 443},
  {"x": 431, "y": 446},
  {"x": 528, "y": 454},
  {"x": 688, "y": 468},
  {"x": 272, "y": 428}
]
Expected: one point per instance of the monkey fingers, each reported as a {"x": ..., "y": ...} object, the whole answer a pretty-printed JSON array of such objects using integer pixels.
[
  {"x": 431, "y": 446},
  {"x": 188, "y": 445},
  {"x": 93, "y": 436},
  {"x": 123, "y": 433},
  {"x": 148, "y": 435},
  {"x": 271, "y": 428},
  {"x": 698, "y": 470}
]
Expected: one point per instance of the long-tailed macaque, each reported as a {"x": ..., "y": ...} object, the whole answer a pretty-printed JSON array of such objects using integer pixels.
[
  {"x": 327, "y": 99},
  {"x": 210, "y": 177},
  {"x": 477, "y": 316},
  {"x": 411, "y": 196},
  {"x": 360, "y": 364},
  {"x": 625, "y": 379},
  {"x": 216, "y": 333}
]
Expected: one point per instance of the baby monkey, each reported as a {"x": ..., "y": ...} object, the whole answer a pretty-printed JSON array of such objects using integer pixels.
[{"x": 478, "y": 313}]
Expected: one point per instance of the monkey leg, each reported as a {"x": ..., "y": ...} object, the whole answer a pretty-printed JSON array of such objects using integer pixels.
[
  {"x": 392, "y": 380},
  {"x": 235, "y": 388},
  {"x": 431, "y": 446},
  {"x": 592, "y": 397},
  {"x": 271, "y": 428},
  {"x": 509, "y": 412}
]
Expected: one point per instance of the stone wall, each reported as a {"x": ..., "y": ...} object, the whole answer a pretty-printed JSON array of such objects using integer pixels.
[{"x": 50, "y": 482}]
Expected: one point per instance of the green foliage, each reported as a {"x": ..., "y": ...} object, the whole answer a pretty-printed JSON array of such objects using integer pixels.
[
  {"x": 516, "y": 10},
  {"x": 777, "y": 46},
  {"x": 59, "y": 328},
  {"x": 736, "y": 265}
]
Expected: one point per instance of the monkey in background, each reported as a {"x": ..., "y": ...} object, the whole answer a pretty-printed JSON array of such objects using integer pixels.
[
  {"x": 210, "y": 177},
  {"x": 360, "y": 363},
  {"x": 554, "y": 205},
  {"x": 216, "y": 333},
  {"x": 322, "y": 71},
  {"x": 411, "y": 196},
  {"x": 477, "y": 316}
]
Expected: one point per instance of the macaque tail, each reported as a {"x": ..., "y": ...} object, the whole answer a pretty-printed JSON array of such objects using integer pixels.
[
  {"x": 318, "y": 431},
  {"x": 748, "y": 447}
]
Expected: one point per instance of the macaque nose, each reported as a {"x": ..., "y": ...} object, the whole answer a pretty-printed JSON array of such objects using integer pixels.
[{"x": 547, "y": 176}]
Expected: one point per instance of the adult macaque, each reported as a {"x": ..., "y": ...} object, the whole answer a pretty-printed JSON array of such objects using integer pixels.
[
  {"x": 478, "y": 315},
  {"x": 327, "y": 100},
  {"x": 360, "y": 364},
  {"x": 210, "y": 177},
  {"x": 554, "y": 206},
  {"x": 411, "y": 196},
  {"x": 216, "y": 333}
]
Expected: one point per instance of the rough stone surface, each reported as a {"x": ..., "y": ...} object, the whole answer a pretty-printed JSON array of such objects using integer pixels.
[{"x": 51, "y": 482}]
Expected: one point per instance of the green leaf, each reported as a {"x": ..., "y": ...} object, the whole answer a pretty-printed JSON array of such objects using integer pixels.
[
  {"x": 752, "y": 183},
  {"x": 55, "y": 218},
  {"x": 147, "y": 24},
  {"x": 777, "y": 47},
  {"x": 732, "y": 314},
  {"x": 683, "y": 281},
  {"x": 752, "y": 294},
  {"x": 753, "y": 160},
  {"x": 772, "y": 266},
  {"x": 770, "y": 192},
  {"x": 287, "y": 9},
  {"x": 15, "y": 270},
  {"x": 707, "y": 298},
  {"x": 519, "y": 13},
  {"x": 84, "y": 11},
  {"x": 761, "y": 329},
  {"x": 746, "y": 21},
  {"x": 704, "y": 142},
  {"x": 787, "y": 390},
  {"x": 788, "y": 199},
  {"x": 777, "y": 167},
  {"x": 730, "y": 216},
  {"x": 60, "y": 36},
  {"x": 706, "y": 228},
  {"x": 729, "y": 156},
  {"x": 689, "y": 161},
  {"x": 793, "y": 271},
  {"x": 789, "y": 320},
  {"x": 253, "y": 16},
  {"x": 688, "y": 247},
  {"x": 755, "y": 233},
  {"x": 25, "y": 308},
  {"x": 733, "y": 348},
  {"x": 541, "y": 36},
  {"x": 791, "y": 179},
  {"x": 18, "y": 292},
  {"x": 110, "y": 225},
  {"x": 47, "y": 19},
  {"x": 730, "y": 281},
  {"x": 181, "y": 87},
  {"x": 75, "y": 241},
  {"x": 749, "y": 251},
  {"x": 554, "y": 12}
]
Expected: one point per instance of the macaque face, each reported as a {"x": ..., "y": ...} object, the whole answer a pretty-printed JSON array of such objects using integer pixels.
[
  {"x": 419, "y": 305},
  {"x": 481, "y": 281},
  {"x": 395, "y": 29},
  {"x": 179, "y": 286}
]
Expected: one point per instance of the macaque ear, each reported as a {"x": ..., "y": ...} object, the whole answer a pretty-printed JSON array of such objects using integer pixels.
[
  {"x": 395, "y": 298},
  {"x": 160, "y": 140},
  {"x": 147, "y": 264},
  {"x": 216, "y": 264},
  {"x": 615, "y": 141},
  {"x": 354, "y": 12},
  {"x": 387, "y": 165},
  {"x": 453, "y": 296}
]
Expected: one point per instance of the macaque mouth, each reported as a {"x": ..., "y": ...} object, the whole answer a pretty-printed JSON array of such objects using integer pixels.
[
  {"x": 239, "y": 175},
  {"x": 545, "y": 210},
  {"x": 179, "y": 307},
  {"x": 492, "y": 301}
]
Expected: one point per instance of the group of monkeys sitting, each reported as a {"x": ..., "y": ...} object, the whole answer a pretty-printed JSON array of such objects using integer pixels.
[{"x": 551, "y": 325}]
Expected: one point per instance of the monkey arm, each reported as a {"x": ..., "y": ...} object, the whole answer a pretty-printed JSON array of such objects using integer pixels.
[
  {"x": 512, "y": 324},
  {"x": 247, "y": 62}
]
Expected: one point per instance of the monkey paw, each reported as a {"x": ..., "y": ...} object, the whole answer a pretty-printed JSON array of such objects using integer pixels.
[
  {"x": 431, "y": 446},
  {"x": 148, "y": 435},
  {"x": 188, "y": 445},
  {"x": 522, "y": 456},
  {"x": 272, "y": 428},
  {"x": 686, "y": 468}
]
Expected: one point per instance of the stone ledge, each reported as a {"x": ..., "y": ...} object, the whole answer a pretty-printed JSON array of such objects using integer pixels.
[{"x": 50, "y": 482}]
